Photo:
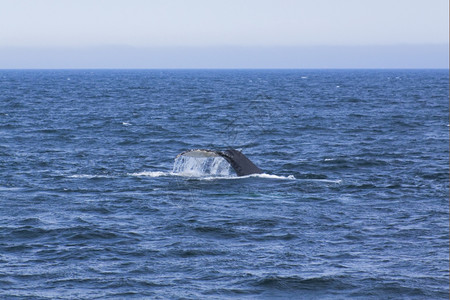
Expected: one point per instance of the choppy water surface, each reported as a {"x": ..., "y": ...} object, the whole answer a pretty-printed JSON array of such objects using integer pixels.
[{"x": 353, "y": 203}]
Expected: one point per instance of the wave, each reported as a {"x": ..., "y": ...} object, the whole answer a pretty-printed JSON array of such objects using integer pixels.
[
  {"x": 150, "y": 174},
  {"x": 227, "y": 177},
  {"x": 10, "y": 189},
  {"x": 287, "y": 283},
  {"x": 270, "y": 176},
  {"x": 208, "y": 177},
  {"x": 196, "y": 176},
  {"x": 263, "y": 176},
  {"x": 338, "y": 181},
  {"x": 89, "y": 176}
]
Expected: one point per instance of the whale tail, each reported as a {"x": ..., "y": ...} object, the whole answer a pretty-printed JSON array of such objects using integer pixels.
[{"x": 238, "y": 161}]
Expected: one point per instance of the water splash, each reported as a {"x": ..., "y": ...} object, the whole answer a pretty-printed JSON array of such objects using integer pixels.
[{"x": 201, "y": 166}]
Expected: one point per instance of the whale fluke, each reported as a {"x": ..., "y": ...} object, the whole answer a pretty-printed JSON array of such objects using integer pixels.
[{"x": 238, "y": 161}]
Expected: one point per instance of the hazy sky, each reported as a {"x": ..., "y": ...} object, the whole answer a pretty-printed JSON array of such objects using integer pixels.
[{"x": 144, "y": 24}]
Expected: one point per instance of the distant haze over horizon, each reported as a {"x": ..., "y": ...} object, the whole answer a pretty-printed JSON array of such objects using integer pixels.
[
  {"x": 312, "y": 57},
  {"x": 224, "y": 34}
]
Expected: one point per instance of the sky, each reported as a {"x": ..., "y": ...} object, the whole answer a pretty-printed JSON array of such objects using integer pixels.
[{"x": 224, "y": 34}]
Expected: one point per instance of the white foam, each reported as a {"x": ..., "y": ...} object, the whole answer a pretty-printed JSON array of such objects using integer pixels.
[
  {"x": 271, "y": 176},
  {"x": 5, "y": 188},
  {"x": 88, "y": 176},
  {"x": 263, "y": 175},
  {"x": 150, "y": 174},
  {"x": 80, "y": 176}
]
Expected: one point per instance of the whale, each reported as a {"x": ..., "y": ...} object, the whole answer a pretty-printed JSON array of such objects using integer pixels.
[{"x": 240, "y": 163}]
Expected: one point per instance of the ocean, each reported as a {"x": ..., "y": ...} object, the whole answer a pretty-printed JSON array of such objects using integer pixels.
[{"x": 353, "y": 202}]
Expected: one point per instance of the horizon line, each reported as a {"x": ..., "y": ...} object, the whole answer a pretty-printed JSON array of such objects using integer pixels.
[
  {"x": 114, "y": 45},
  {"x": 230, "y": 57},
  {"x": 225, "y": 68}
]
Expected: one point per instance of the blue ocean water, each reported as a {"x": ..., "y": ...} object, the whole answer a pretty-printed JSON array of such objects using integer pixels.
[{"x": 355, "y": 204}]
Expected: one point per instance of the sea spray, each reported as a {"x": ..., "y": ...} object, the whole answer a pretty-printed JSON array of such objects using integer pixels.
[{"x": 201, "y": 166}]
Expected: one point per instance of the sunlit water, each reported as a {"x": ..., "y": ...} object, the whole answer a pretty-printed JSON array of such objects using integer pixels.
[{"x": 353, "y": 202}]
